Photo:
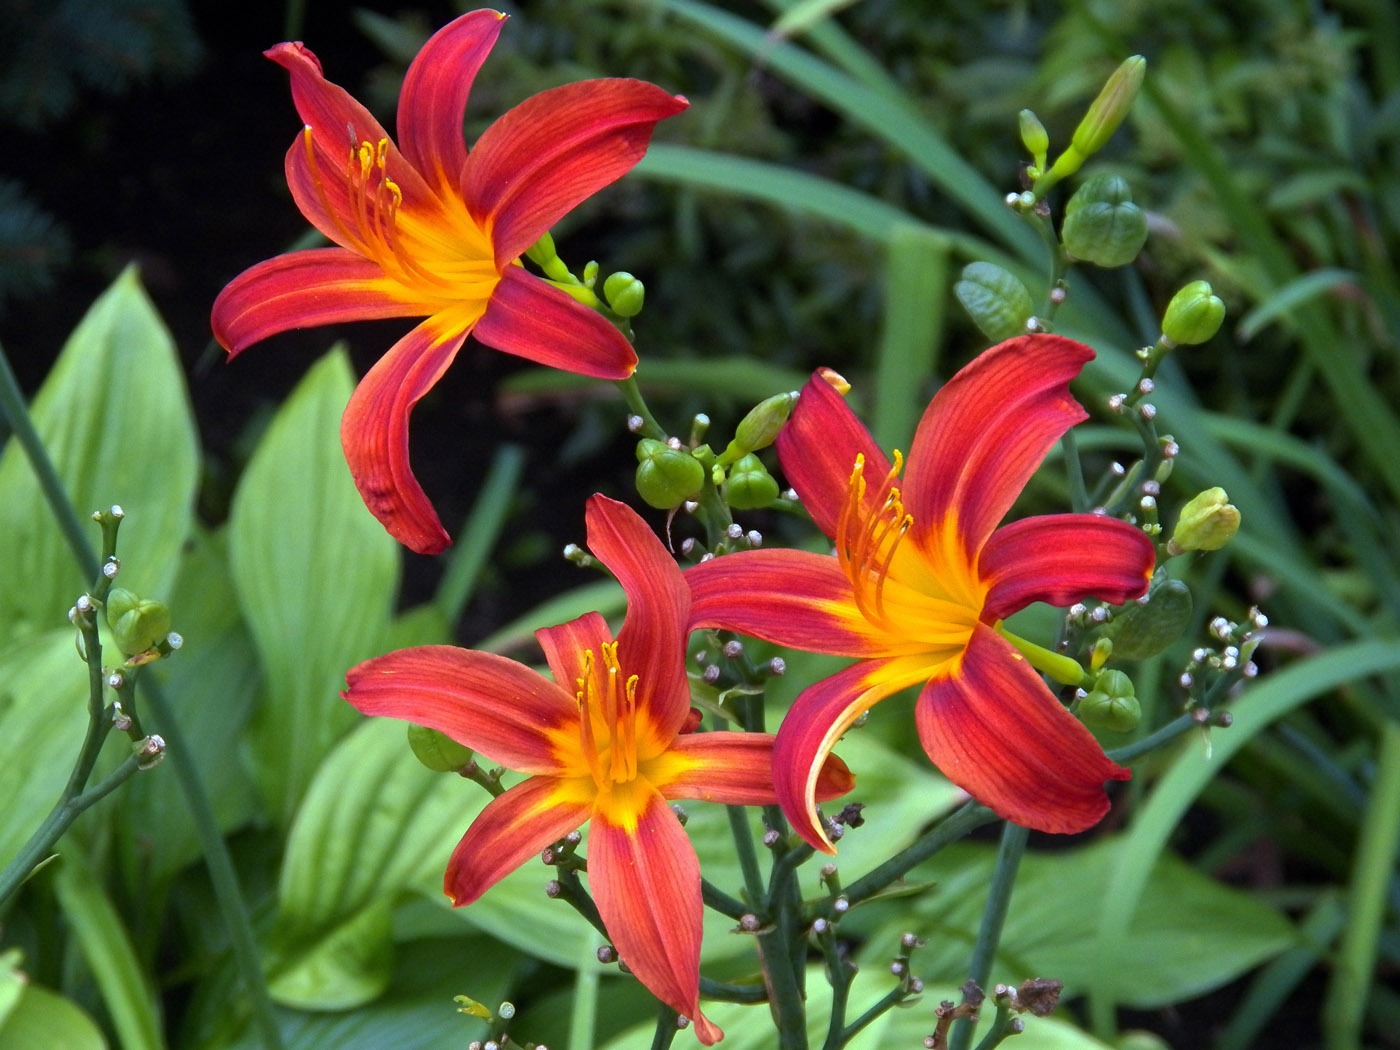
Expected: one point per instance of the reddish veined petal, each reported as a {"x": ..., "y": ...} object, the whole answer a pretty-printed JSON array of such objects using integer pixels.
[
  {"x": 646, "y": 882},
  {"x": 793, "y": 598},
  {"x": 737, "y": 769},
  {"x": 565, "y": 645},
  {"x": 985, "y": 433},
  {"x": 338, "y": 125},
  {"x": 512, "y": 829},
  {"x": 374, "y": 433},
  {"x": 434, "y": 95},
  {"x": 534, "y": 320},
  {"x": 651, "y": 643},
  {"x": 1061, "y": 558},
  {"x": 818, "y": 717},
  {"x": 302, "y": 290},
  {"x": 483, "y": 701},
  {"x": 990, "y": 724},
  {"x": 818, "y": 449},
  {"x": 539, "y": 160}
]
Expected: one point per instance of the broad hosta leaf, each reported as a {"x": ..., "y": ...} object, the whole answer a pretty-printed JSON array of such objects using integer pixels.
[
  {"x": 1190, "y": 934},
  {"x": 128, "y": 996},
  {"x": 315, "y": 576},
  {"x": 345, "y": 966},
  {"x": 43, "y": 702},
  {"x": 115, "y": 419},
  {"x": 44, "y": 1020}
]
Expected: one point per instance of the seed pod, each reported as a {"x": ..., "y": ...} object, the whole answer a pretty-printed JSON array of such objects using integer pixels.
[
  {"x": 1142, "y": 630},
  {"x": 624, "y": 293},
  {"x": 1194, "y": 314},
  {"x": 666, "y": 476},
  {"x": 436, "y": 750},
  {"x": 1207, "y": 523},
  {"x": 996, "y": 300},
  {"x": 749, "y": 485},
  {"x": 137, "y": 623},
  {"x": 1102, "y": 224},
  {"x": 1112, "y": 703}
]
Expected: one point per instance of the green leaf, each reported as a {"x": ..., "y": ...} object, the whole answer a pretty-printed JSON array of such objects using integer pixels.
[
  {"x": 128, "y": 996},
  {"x": 12, "y": 982},
  {"x": 44, "y": 1020},
  {"x": 805, "y": 14},
  {"x": 43, "y": 702},
  {"x": 1300, "y": 290},
  {"x": 348, "y": 965},
  {"x": 315, "y": 576},
  {"x": 1188, "y": 935},
  {"x": 115, "y": 418}
]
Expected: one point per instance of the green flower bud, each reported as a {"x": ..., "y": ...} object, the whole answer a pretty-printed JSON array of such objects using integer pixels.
[
  {"x": 1108, "y": 110},
  {"x": 1194, "y": 314},
  {"x": 1143, "y": 629},
  {"x": 436, "y": 750},
  {"x": 624, "y": 293},
  {"x": 666, "y": 476},
  {"x": 760, "y": 427},
  {"x": 750, "y": 486},
  {"x": 996, "y": 300},
  {"x": 137, "y": 623},
  {"x": 1102, "y": 224},
  {"x": 1112, "y": 703},
  {"x": 1207, "y": 523},
  {"x": 1033, "y": 137}
]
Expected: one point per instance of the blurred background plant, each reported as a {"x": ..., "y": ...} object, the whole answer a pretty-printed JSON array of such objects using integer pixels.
[{"x": 839, "y": 166}]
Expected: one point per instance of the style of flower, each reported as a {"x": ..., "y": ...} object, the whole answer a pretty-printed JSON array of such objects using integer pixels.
[
  {"x": 922, "y": 579},
  {"x": 426, "y": 229},
  {"x": 604, "y": 743}
]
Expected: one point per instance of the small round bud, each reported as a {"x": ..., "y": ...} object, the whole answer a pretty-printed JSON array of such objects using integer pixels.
[
  {"x": 666, "y": 476},
  {"x": 820, "y": 926},
  {"x": 753, "y": 538},
  {"x": 733, "y": 649},
  {"x": 771, "y": 838},
  {"x": 995, "y": 299},
  {"x": 777, "y": 666},
  {"x": 607, "y": 954},
  {"x": 436, "y": 750},
  {"x": 897, "y": 968},
  {"x": 916, "y": 985},
  {"x": 624, "y": 293},
  {"x": 505, "y": 1011},
  {"x": 116, "y": 680},
  {"x": 710, "y": 675},
  {"x": 841, "y": 905},
  {"x": 682, "y": 1022},
  {"x": 734, "y": 532},
  {"x": 1033, "y": 136},
  {"x": 111, "y": 567},
  {"x": 636, "y": 424},
  {"x": 175, "y": 640},
  {"x": 1147, "y": 411},
  {"x": 1207, "y": 523},
  {"x": 149, "y": 752},
  {"x": 1102, "y": 224},
  {"x": 909, "y": 942},
  {"x": 1194, "y": 314},
  {"x": 748, "y": 922},
  {"x": 552, "y": 889}
]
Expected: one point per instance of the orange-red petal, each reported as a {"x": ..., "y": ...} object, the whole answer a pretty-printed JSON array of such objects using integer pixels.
[
  {"x": 483, "y": 701},
  {"x": 512, "y": 828},
  {"x": 818, "y": 449},
  {"x": 818, "y": 717},
  {"x": 433, "y": 99},
  {"x": 646, "y": 882},
  {"x": 302, "y": 290},
  {"x": 539, "y": 160},
  {"x": 1061, "y": 558},
  {"x": 993, "y": 728},
  {"x": 737, "y": 769},
  {"x": 793, "y": 598},
  {"x": 374, "y": 433},
  {"x": 534, "y": 320},
  {"x": 985, "y": 433},
  {"x": 651, "y": 643}
]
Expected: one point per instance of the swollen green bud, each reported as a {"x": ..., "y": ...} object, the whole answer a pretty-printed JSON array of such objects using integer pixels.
[
  {"x": 1143, "y": 629},
  {"x": 749, "y": 485},
  {"x": 1102, "y": 224},
  {"x": 1108, "y": 110},
  {"x": 137, "y": 623},
  {"x": 1194, "y": 314},
  {"x": 760, "y": 427},
  {"x": 1207, "y": 523},
  {"x": 666, "y": 476},
  {"x": 624, "y": 293},
  {"x": 996, "y": 300},
  {"x": 436, "y": 750},
  {"x": 1034, "y": 137},
  {"x": 1112, "y": 703}
]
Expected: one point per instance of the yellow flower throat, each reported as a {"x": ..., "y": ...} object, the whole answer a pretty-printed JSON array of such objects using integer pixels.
[{"x": 607, "y": 719}]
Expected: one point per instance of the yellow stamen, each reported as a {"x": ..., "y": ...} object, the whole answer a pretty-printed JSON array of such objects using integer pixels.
[
  {"x": 614, "y": 703},
  {"x": 867, "y": 541}
]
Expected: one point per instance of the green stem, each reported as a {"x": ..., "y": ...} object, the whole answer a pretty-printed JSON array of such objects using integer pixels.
[
  {"x": 722, "y": 902},
  {"x": 632, "y": 394},
  {"x": 892, "y": 998},
  {"x": 1074, "y": 473},
  {"x": 733, "y": 993},
  {"x": 1009, "y": 853},
  {"x": 1167, "y": 733},
  {"x": 839, "y": 975},
  {"x": 748, "y": 856},
  {"x": 665, "y": 1027}
]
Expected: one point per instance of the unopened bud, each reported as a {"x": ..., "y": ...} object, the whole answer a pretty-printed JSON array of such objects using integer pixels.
[
  {"x": 1207, "y": 523},
  {"x": 1108, "y": 110},
  {"x": 624, "y": 293},
  {"x": 1194, "y": 314},
  {"x": 666, "y": 476},
  {"x": 436, "y": 750},
  {"x": 1033, "y": 136},
  {"x": 995, "y": 299},
  {"x": 758, "y": 429}
]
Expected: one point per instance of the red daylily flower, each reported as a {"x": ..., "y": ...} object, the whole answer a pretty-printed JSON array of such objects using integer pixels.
[
  {"x": 426, "y": 229},
  {"x": 921, "y": 580},
  {"x": 604, "y": 743}
]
